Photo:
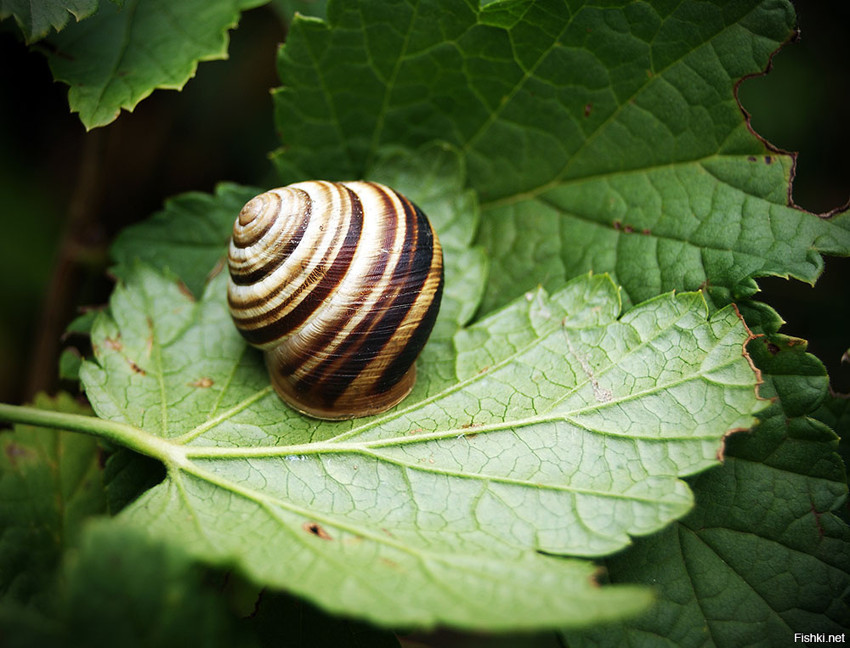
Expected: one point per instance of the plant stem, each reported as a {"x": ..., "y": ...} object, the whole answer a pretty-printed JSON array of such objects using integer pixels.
[
  {"x": 75, "y": 250},
  {"x": 120, "y": 433}
]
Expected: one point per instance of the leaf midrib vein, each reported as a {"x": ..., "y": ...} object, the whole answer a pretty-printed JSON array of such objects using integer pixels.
[
  {"x": 657, "y": 74},
  {"x": 486, "y": 479},
  {"x": 507, "y": 361}
]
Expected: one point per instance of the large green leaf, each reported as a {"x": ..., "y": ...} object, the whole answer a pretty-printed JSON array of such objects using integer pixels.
[
  {"x": 434, "y": 512},
  {"x": 603, "y": 138},
  {"x": 764, "y": 555},
  {"x": 545, "y": 377},
  {"x": 120, "y": 55},
  {"x": 37, "y": 17}
]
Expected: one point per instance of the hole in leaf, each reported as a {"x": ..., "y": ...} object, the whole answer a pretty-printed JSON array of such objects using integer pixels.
[{"x": 317, "y": 530}]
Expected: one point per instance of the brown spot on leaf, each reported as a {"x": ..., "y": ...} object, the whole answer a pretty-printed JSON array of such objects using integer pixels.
[
  {"x": 390, "y": 563},
  {"x": 317, "y": 530},
  {"x": 752, "y": 158},
  {"x": 628, "y": 229},
  {"x": 136, "y": 368},
  {"x": 113, "y": 345},
  {"x": 588, "y": 108},
  {"x": 772, "y": 348},
  {"x": 768, "y": 159},
  {"x": 646, "y": 231},
  {"x": 484, "y": 369},
  {"x": 183, "y": 288},
  {"x": 618, "y": 225},
  {"x": 202, "y": 382}
]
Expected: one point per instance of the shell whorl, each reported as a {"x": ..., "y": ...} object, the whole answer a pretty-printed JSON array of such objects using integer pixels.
[{"x": 339, "y": 284}]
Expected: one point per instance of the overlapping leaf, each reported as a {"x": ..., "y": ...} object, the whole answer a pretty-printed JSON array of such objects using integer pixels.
[
  {"x": 188, "y": 237},
  {"x": 764, "y": 555},
  {"x": 50, "y": 482},
  {"x": 37, "y": 17},
  {"x": 120, "y": 55},
  {"x": 599, "y": 138}
]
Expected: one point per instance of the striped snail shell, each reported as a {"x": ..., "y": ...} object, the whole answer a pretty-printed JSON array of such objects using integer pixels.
[{"x": 339, "y": 284}]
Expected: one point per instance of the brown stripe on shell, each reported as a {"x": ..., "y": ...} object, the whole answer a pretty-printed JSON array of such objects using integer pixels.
[
  {"x": 324, "y": 279},
  {"x": 362, "y": 361},
  {"x": 433, "y": 291},
  {"x": 331, "y": 337},
  {"x": 373, "y": 335},
  {"x": 282, "y": 249},
  {"x": 253, "y": 209}
]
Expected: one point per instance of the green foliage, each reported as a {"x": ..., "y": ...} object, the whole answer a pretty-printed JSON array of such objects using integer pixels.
[
  {"x": 50, "y": 483},
  {"x": 775, "y": 502},
  {"x": 603, "y": 139},
  {"x": 187, "y": 237},
  {"x": 126, "y": 50},
  {"x": 37, "y": 17},
  {"x": 174, "y": 368},
  {"x": 560, "y": 149}
]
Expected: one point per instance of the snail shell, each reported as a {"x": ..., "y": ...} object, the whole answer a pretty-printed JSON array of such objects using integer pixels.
[{"x": 339, "y": 284}]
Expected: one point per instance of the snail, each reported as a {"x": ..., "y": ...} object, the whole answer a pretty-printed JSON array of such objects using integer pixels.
[{"x": 339, "y": 284}]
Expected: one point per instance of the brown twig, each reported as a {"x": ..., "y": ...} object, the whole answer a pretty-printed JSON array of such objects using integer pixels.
[{"x": 57, "y": 307}]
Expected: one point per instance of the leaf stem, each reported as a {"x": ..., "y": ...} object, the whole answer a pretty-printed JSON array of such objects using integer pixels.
[{"x": 120, "y": 433}]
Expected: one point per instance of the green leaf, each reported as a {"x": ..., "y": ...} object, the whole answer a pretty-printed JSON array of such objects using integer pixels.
[
  {"x": 835, "y": 413},
  {"x": 604, "y": 139},
  {"x": 69, "y": 365},
  {"x": 121, "y": 589},
  {"x": 50, "y": 482},
  {"x": 764, "y": 554},
  {"x": 188, "y": 237},
  {"x": 288, "y": 8},
  {"x": 37, "y": 17},
  {"x": 647, "y": 398},
  {"x": 119, "y": 56}
]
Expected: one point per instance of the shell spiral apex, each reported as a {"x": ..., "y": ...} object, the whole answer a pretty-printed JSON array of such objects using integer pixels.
[{"x": 339, "y": 284}]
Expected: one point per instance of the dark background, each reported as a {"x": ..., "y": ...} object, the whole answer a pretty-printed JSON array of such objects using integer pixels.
[{"x": 64, "y": 194}]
